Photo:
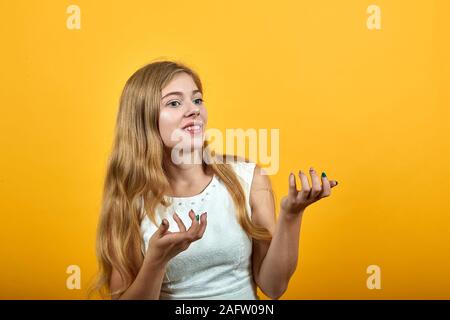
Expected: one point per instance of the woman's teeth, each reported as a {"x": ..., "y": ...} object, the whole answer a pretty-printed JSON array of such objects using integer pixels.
[{"x": 196, "y": 128}]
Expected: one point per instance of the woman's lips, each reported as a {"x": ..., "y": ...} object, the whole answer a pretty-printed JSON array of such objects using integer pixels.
[{"x": 194, "y": 129}]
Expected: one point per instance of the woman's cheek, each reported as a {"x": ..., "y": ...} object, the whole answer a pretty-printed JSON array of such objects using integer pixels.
[{"x": 167, "y": 126}]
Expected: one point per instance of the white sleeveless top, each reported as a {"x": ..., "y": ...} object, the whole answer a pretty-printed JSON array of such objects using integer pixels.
[{"x": 217, "y": 266}]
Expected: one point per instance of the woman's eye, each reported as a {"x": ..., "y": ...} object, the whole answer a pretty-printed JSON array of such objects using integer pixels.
[
  {"x": 174, "y": 103},
  {"x": 171, "y": 103}
]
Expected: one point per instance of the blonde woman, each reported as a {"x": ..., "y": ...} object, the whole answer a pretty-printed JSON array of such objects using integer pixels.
[{"x": 205, "y": 229}]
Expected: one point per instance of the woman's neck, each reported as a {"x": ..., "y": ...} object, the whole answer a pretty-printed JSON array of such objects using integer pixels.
[{"x": 186, "y": 178}]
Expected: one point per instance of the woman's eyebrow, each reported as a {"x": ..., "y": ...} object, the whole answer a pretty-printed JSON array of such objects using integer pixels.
[{"x": 178, "y": 93}]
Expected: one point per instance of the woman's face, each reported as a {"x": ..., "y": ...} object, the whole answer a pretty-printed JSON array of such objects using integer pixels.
[{"x": 182, "y": 105}]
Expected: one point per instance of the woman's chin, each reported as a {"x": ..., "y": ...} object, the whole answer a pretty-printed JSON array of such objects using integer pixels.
[
  {"x": 193, "y": 141},
  {"x": 186, "y": 149},
  {"x": 196, "y": 144}
]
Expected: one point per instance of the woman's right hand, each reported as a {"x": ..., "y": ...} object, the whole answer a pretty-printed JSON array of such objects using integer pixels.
[{"x": 164, "y": 245}]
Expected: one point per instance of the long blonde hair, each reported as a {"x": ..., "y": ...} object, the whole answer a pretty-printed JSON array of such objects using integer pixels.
[{"x": 135, "y": 172}]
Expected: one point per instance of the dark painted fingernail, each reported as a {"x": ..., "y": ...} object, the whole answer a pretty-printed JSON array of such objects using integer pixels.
[
  {"x": 197, "y": 217},
  {"x": 336, "y": 183},
  {"x": 323, "y": 174}
]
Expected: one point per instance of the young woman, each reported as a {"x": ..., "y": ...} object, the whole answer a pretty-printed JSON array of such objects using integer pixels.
[{"x": 207, "y": 229}]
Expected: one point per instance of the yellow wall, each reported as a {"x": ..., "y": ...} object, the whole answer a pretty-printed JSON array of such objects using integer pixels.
[{"x": 368, "y": 107}]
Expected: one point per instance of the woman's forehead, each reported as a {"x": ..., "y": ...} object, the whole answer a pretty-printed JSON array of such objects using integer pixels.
[{"x": 181, "y": 83}]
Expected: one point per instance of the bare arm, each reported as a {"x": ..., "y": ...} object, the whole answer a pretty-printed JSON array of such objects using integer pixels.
[
  {"x": 262, "y": 202},
  {"x": 276, "y": 261},
  {"x": 146, "y": 285},
  {"x": 163, "y": 246},
  {"x": 281, "y": 257}
]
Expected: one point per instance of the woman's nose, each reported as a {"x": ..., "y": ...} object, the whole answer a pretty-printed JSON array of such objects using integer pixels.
[{"x": 194, "y": 110}]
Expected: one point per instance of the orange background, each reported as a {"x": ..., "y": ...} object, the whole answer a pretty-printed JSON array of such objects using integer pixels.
[{"x": 368, "y": 107}]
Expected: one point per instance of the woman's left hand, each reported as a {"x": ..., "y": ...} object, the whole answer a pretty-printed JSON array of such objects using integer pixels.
[{"x": 297, "y": 201}]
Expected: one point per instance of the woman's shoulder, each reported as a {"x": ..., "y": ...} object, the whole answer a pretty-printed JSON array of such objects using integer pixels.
[
  {"x": 236, "y": 162},
  {"x": 243, "y": 167}
]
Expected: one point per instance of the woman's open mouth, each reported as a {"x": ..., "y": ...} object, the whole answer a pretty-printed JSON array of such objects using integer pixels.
[{"x": 194, "y": 129}]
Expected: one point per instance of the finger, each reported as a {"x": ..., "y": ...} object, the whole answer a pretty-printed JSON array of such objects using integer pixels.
[
  {"x": 203, "y": 223},
  {"x": 292, "y": 193},
  {"x": 164, "y": 226},
  {"x": 333, "y": 183},
  {"x": 193, "y": 217},
  {"x": 326, "y": 187},
  {"x": 194, "y": 226},
  {"x": 316, "y": 188},
  {"x": 202, "y": 226},
  {"x": 306, "y": 188},
  {"x": 179, "y": 222}
]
